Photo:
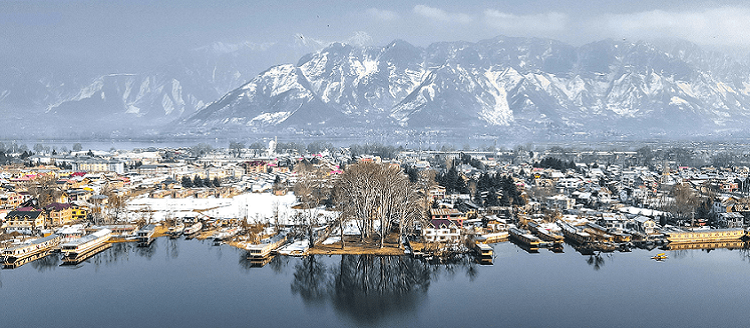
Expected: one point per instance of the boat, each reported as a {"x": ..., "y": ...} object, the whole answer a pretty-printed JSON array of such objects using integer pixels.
[
  {"x": 145, "y": 234},
  {"x": 226, "y": 233},
  {"x": 545, "y": 234},
  {"x": 525, "y": 237},
  {"x": 17, "y": 253},
  {"x": 495, "y": 237},
  {"x": 176, "y": 230},
  {"x": 660, "y": 257},
  {"x": 81, "y": 247},
  {"x": 266, "y": 246},
  {"x": 484, "y": 252},
  {"x": 297, "y": 248},
  {"x": 573, "y": 233},
  {"x": 193, "y": 229}
]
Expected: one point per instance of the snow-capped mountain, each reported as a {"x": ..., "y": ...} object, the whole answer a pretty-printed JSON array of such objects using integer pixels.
[
  {"x": 72, "y": 99},
  {"x": 503, "y": 83}
]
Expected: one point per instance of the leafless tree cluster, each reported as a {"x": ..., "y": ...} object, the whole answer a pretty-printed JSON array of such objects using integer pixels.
[
  {"x": 45, "y": 190},
  {"x": 313, "y": 189},
  {"x": 367, "y": 193}
]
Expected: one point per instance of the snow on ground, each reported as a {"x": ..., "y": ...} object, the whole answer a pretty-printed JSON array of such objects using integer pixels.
[
  {"x": 331, "y": 240},
  {"x": 255, "y": 207}
]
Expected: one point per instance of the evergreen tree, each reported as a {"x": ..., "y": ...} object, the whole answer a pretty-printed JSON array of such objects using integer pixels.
[
  {"x": 197, "y": 181},
  {"x": 217, "y": 183},
  {"x": 186, "y": 182}
]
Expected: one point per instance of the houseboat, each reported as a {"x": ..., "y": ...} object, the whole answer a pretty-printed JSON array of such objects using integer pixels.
[
  {"x": 598, "y": 232},
  {"x": 86, "y": 245},
  {"x": 545, "y": 234},
  {"x": 20, "y": 252},
  {"x": 193, "y": 229},
  {"x": 266, "y": 246},
  {"x": 484, "y": 253},
  {"x": 145, "y": 235},
  {"x": 525, "y": 237},
  {"x": 573, "y": 233},
  {"x": 705, "y": 236}
]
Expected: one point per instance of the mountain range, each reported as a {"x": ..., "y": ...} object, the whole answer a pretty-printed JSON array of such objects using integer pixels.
[{"x": 508, "y": 85}]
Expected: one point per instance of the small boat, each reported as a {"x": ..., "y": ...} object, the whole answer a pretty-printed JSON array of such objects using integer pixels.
[
  {"x": 226, "y": 233},
  {"x": 660, "y": 257},
  {"x": 193, "y": 229},
  {"x": 176, "y": 230}
]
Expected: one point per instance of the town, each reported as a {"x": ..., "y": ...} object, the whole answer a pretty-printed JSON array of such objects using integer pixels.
[{"x": 272, "y": 198}]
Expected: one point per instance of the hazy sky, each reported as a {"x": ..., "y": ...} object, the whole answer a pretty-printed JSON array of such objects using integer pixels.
[{"x": 137, "y": 31}]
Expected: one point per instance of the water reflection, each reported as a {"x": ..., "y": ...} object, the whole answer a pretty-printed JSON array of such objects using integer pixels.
[
  {"x": 367, "y": 288},
  {"x": 596, "y": 260},
  {"x": 47, "y": 263}
]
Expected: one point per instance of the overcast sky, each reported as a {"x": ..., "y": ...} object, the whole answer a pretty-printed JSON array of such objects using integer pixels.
[{"x": 136, "y": 31}]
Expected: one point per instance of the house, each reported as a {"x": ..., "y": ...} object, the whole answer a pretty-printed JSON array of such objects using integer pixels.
[
  {"x": 25, "y": 222},
  {"x": 10, "y": 200},
  {"x": 731, "y": 220},
  {"x": 445, "y": 232},
  {"x": 59, "y": 214},
  {"x": 561, "y": 202},
  {"x": 645, "y": 224},
  {"x": 441, "y": 216},
  {"x": 78, "y": 214}
]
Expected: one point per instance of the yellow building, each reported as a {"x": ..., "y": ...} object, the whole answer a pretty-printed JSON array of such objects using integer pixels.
[
  {"x": 59, "y": 214},
  {"x": 78, "y": 214}
]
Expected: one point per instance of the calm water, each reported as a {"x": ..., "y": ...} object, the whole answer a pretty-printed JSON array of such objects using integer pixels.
[{"x": 179, "y": 283}]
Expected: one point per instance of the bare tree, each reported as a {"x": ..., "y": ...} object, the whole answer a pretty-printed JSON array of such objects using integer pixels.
[
  {"x": 312, "y": 190},
  {"x": 369, "y": 193},
  {"x": 45, "y": 190}
]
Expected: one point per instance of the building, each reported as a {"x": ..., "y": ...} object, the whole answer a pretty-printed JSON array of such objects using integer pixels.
[
  {"x": 99, "y": 165},
  {"x": 59, "y": 214},
  {"x": 25, "y": 222},
  {"x": 731, "y": 220}
]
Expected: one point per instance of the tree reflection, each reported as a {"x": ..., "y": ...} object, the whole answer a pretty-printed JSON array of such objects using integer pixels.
[
  {"x": 310, "y": 279},
  {"x": 46, "y": 263},
  {"x": 367, "y": 287},
  {"x": 596, "y": 260}
]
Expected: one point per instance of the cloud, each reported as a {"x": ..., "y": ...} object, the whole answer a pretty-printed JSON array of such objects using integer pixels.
[
  {"x": 543, "y": 23},
  {"x": 442, "y": 15},
  {"x": 717, "y": 26},
  {"x": 381, "y": 14}
]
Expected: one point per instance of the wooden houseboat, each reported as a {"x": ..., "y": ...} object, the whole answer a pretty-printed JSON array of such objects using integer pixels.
[
  {"x": 266, "y": 246},
  {"x": 41, "y": 245},
  {"x": 145, "y": 235},
  {"x": 80, "y": 247},
  {"x": 705, "y": 236},
  {"x": 485, "y": 253},
  {"x": 544, "y": 234},
  {"x": 573, "y": 234},
  {"x": 525, "y": 237},
  {"x": 598, "y": 232}
]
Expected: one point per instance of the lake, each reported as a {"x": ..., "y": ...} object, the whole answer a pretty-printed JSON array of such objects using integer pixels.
[{"x": 191, "y": 283}]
